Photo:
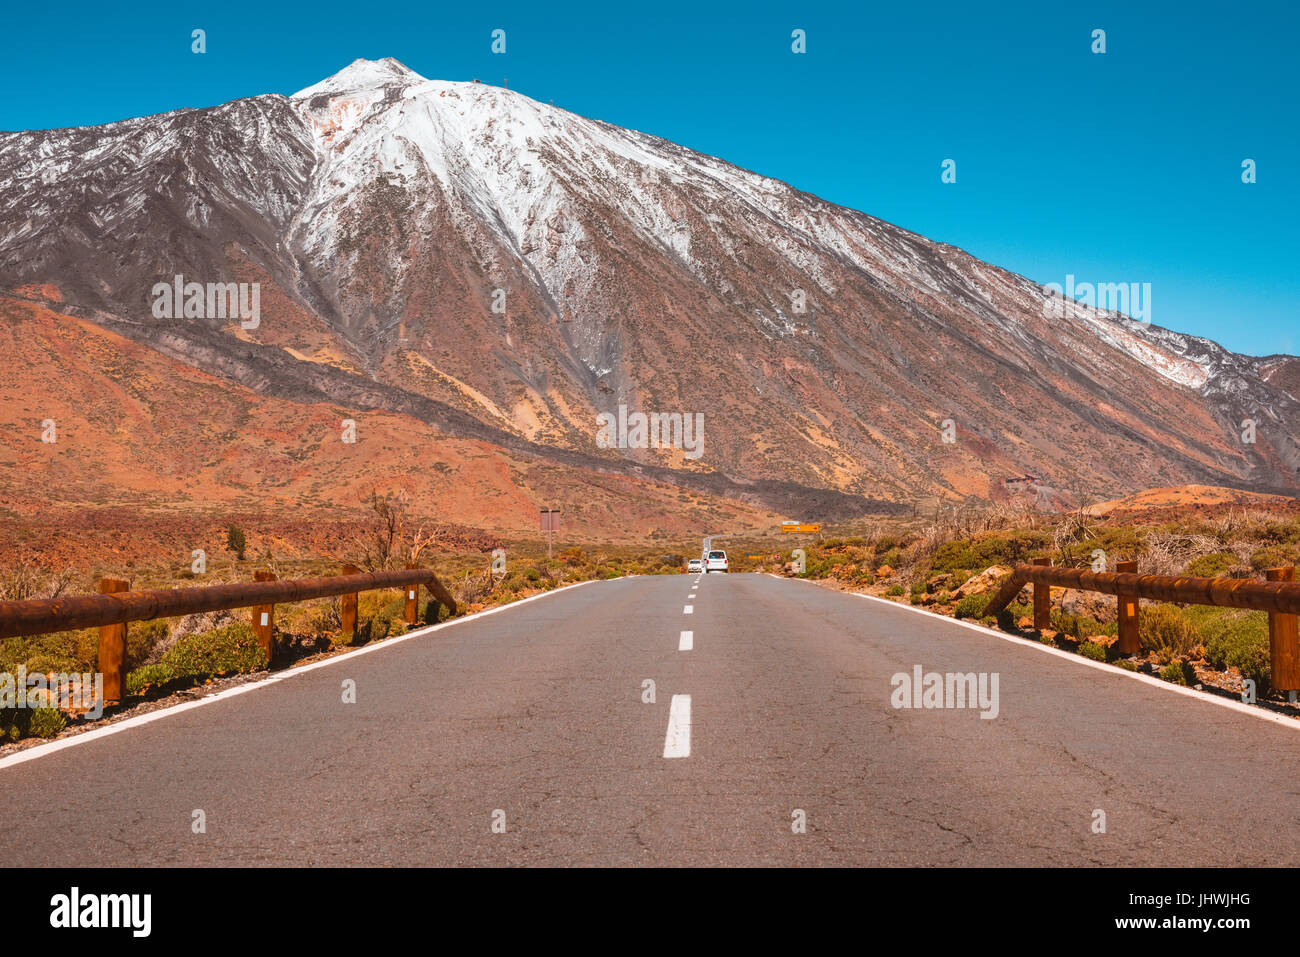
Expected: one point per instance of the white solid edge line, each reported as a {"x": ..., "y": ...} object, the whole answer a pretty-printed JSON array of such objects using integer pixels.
[
  {"x": 677, "y": 742},
  {"x": 687, "y": 641},
  {"x": 41, "y": 750},
  {"x": 1241, "y": 707}
]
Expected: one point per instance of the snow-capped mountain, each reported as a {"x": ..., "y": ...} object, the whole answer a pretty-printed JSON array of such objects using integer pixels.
[{"x": 506, "y": 269}]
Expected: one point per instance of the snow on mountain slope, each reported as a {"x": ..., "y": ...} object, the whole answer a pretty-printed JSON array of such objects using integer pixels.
[{"x": 529, "y": 268}]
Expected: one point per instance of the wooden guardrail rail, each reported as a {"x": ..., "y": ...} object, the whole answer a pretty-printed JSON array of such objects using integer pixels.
[
  {"x": 1279, "y": 596},
  {"x": 117, "y": 605}
]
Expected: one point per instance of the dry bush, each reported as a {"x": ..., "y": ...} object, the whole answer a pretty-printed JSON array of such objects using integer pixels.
[
  {"x": 23, "y": 578},
  {"x": 389, "y": 537},
  {"x": 1169, "y": 553},
  {"x": 1228, "y": 524},
  {"x": 326, "y": 618},
  {"x": 928, "y": 541},
  {"x": 1244, "y": 549},
  {"x": 474, "y": 587},
  {"x": 1070, "y": 532},
  {"x": 1000, "y": 516}
]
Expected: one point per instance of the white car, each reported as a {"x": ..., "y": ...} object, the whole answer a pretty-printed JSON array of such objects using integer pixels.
[
  {"x": 695, "y": 565},
  {"x": 715, "y": 561}
]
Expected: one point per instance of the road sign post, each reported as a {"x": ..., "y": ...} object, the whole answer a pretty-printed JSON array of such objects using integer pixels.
[{"x": 550, "y": 522}]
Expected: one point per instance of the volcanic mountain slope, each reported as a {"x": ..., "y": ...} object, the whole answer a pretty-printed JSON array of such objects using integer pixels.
[
  {"x": 131, "y": 427},
  {"x": 505, "y": 270}
]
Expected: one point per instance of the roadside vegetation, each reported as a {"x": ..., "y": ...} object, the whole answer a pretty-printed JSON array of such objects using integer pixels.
[
  {"x": 953, "y": 564},
  {"x": 950, "y": 564},
  {"x": 164, "y": 657}
]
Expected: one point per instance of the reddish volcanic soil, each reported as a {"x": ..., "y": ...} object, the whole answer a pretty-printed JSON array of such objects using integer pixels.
[
  {"x": 152, "y": 454},
  {"x": 1192, "y": 499}
]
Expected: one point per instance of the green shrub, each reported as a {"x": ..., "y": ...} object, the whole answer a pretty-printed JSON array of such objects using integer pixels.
[
  {"x": 894, "y": 590},
  {"x": 1008, "y": 616},
  {"x": 1236, "y": 639},
  {"x": 46, "y": 722},
  {"x": 234, "y": 648},
  {"x": 62, "y": 651},
  {"x": 141, "y": 638},
  {"x": 1167, "y": 631},
  {"x": 972, "y": 606},
  {"x": 1179, "y": 672},
  {"x": 1126, "y": 664},
  {"x": 148, "y": 676},
  {"x": 43, "y": 664},
  {"x": 1092, "y": 650},
  {"x": 236, "y": 541},
  {"x": 994, "y": 548},
  {"x": 1212, "y": 566},
  {"x": 1080, "y": 626},
  {"x": 1271, "y": 557}
]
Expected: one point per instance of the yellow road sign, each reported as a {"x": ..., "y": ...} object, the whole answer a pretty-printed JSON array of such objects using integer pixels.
[{"x": 801, "y": 528}]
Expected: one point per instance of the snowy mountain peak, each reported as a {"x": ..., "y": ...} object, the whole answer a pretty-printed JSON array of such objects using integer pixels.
[
  {"x": 392, "y": 213},
  {"x": 362, "y": 75}
]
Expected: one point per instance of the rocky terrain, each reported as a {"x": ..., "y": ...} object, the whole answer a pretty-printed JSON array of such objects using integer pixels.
[{"x": 474, "y": 276}]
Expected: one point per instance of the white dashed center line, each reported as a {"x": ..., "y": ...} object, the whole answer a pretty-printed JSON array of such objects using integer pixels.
[
  {"x": 687, "y": 641},
  {"x": 688, "y": 610},
  {"x": 677, "y": 744}
]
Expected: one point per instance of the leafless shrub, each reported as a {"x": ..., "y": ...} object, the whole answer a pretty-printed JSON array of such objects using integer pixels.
[
  {"x": 1169, "y": 553},
  {"x": 23, "y": 579},
  {"x": 473, "y": 587},
  {"x": 388, "y": 538},
  {"x": 1244, "y": 549},
  {"x": 999, "y": 516},
  {"x": 1164, "y": 555},
  {"x": 1071, "y": 531},
  {"x": 1228, "y": 524}
]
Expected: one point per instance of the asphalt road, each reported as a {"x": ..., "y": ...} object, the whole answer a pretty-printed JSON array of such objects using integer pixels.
[{"x": 533, "y": 718}]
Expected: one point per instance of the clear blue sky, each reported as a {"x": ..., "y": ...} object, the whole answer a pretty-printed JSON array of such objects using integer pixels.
[{"x": 1121, "y": 167}]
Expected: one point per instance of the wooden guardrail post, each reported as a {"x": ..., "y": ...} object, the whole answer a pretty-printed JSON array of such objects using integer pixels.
[
  {"x": 112, "y": 646},
  {"x": 1129, "y": 642},
  {"x": 264, "y": 617},
  {"x": 348, "y": 606},
  {"x": 1283, "y": 644},
  {"x": 1042, "y": 600},
  {"x": 412, "y": 599}
]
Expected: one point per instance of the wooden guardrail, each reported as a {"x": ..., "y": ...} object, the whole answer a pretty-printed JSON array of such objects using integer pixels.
[
  {"x": 1279, "y": 595},
  {"x": 116, "y": 605}
]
